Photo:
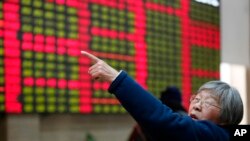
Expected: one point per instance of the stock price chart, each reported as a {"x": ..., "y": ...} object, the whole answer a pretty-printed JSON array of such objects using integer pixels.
[{"x": 158, "y": 42}]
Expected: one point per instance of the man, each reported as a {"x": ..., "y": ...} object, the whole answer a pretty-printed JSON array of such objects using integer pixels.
[{"x": 215, "y": 104}]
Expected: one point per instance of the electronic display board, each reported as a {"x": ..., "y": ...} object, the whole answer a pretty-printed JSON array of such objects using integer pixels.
[{"x": 158, "y": 42}]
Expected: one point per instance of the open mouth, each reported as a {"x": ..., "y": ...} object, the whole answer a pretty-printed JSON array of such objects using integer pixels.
[{"x": 194, "y": 117}]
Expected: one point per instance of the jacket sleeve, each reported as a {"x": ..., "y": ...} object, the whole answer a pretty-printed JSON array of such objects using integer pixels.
[{"x": 156, "y": 117}]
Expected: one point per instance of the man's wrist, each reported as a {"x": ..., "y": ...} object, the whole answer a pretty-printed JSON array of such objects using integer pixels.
[{"x": 116, "y": 75}]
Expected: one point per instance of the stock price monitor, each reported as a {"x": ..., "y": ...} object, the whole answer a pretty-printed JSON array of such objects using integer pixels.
[{"x": 158, "y": 42}]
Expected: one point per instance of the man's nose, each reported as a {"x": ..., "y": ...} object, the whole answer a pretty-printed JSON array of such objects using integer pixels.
[{"x": 198, "y": 105}]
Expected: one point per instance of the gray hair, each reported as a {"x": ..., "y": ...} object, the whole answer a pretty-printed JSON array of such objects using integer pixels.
[{"x": 229, "y": 99}]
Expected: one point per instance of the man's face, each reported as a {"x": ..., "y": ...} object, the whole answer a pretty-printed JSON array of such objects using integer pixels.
[{"x": 204, "y": 106}]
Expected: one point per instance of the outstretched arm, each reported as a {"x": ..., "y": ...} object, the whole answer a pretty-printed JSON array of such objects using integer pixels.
[{"x": 137, "y": 101}]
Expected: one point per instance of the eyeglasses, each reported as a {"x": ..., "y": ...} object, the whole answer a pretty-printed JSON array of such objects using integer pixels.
[{"x": 194, "y": 100}]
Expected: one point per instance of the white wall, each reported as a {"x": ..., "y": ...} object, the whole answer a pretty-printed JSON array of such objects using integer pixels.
[
  {"x": 235, "y": 45},
  {"x": 235, "y": 32}
]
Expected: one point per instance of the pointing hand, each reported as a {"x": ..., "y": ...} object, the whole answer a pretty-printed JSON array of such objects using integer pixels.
[{"x": 100, "y": 70}]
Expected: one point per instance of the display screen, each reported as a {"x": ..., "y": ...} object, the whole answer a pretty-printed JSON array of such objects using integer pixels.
[{"x": 157, "y": 42}]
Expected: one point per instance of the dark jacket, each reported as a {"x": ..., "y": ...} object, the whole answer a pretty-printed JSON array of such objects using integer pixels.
[{"x": 159, "y": 120}]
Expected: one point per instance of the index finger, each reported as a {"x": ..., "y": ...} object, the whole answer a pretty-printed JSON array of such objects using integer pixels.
[{"x": 90, "y": 56}]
